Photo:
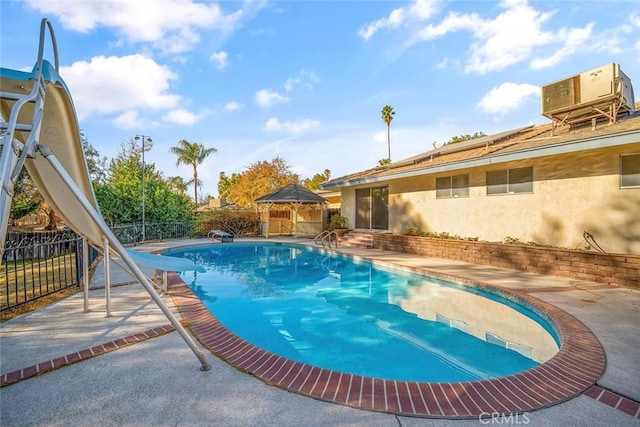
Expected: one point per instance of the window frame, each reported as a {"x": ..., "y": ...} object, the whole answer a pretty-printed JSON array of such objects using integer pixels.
[
  {"x": 504, "y": 178},
  {"x": 622, "y": 185},
  {"x": 452, "y": 188}
]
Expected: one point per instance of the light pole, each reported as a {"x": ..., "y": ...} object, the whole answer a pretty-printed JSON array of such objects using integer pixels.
[{"x": 148, "y": 139}]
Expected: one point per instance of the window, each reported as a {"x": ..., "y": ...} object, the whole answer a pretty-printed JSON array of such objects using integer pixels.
[
  {"x": 510, "y": 181},
  {"x": 452, "y": 186},
  {"x": 630, "y": 171}
]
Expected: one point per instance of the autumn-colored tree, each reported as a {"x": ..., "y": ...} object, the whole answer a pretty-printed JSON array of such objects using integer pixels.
[
  {"x": 317, "y": 179},
  {"x": 193, "y": 154},
  {"x": 259, "y": 179},
  {"x": 387, "y": 116}
]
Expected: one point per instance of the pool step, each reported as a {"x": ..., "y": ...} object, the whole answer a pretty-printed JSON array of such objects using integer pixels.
[{"x": 358, "y": 239}]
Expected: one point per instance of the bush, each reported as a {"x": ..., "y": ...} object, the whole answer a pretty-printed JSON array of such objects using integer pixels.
[
  {"x": 415, "y": 231},
  {"x": 337, "y": 221},
  {"x": 238, "y": 223}
]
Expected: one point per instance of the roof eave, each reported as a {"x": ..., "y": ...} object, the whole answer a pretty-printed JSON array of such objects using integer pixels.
[{"x": 549, "y": 150}]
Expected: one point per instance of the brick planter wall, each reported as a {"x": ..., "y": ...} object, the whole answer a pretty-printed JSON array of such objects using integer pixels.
[{"x": 617, "y": 269}]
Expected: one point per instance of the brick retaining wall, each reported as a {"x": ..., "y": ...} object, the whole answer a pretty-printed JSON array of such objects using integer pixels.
[{"x": 617, "y": 269}]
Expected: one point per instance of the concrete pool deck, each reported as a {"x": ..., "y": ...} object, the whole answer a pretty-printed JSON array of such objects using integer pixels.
[{"x": 154, "y": 379}]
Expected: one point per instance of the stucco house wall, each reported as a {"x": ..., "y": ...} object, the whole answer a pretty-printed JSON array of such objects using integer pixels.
[{"x": 572, "y": 193}]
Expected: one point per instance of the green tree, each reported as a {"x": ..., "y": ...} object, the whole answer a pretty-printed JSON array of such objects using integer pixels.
[
  {"x": 462, "y": 138},
  {"x": 225, "y": 183},
  {"x": 261, "y": 178},
  {"x": 97, "y": 165},
  {"x": 178, "y": 184},
  {"x": 383, "y": 162},
  {"x": 26, "y": 198},
  {"x": 193, "y": 154},
  {"x": 387, "y": 116},
  {"x": 317, "y": 179},
  {"x": 120, "y": 195}
]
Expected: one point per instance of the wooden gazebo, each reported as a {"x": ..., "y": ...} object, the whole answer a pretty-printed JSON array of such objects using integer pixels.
[{"x": 291, "y": 210}]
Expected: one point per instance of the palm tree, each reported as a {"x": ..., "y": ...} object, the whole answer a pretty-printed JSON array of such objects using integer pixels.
[
  {"x": 178, "y": 184},
  {"x": 192, "y": 153},
  {"x": 387, "y": 116}
]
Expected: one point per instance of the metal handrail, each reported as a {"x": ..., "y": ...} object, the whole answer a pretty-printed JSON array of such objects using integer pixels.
[
  {"x": 325, "y": 236},
  {"x": 319, "y": 237}
]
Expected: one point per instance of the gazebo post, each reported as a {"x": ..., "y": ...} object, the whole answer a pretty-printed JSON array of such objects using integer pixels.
[
  {"x": 295, "y": 218},
  {"x": 268, "y": 219}
]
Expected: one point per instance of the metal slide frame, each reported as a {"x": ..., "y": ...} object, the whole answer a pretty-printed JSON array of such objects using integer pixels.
[
  {"x": 10, "y": 163},
  {"x": 13, "y": 156}
]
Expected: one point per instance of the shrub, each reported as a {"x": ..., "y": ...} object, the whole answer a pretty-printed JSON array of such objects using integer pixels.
[
  {"x": 337, "y": 221},
  {"x": 415, "y": 231},
  {"x": 515, "y": 241},
  {"x": 238, "y": 223}
]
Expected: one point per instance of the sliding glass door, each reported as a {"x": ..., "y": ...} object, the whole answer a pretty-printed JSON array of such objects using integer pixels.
[{"x": 372, "y": 211}]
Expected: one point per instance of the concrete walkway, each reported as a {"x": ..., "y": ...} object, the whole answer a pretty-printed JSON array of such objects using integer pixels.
[{"x": 154, "y": 379}]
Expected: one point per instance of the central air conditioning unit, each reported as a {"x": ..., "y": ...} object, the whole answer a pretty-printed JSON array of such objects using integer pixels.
[{"x": 604, "y": 91}]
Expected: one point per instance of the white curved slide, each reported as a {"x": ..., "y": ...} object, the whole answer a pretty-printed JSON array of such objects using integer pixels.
[{"x": 41, "y": 133}]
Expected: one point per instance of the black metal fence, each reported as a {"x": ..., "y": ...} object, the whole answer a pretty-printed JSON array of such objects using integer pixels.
[
  {"x": 132, "y": 234},
  {"x": 37, "y": 264}
]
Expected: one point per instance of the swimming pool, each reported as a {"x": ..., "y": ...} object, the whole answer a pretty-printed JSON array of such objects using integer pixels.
[{"x": 342, "y": 315}]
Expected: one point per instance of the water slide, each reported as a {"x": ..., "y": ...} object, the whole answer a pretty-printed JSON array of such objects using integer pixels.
[{"x": 41, "y": 133}]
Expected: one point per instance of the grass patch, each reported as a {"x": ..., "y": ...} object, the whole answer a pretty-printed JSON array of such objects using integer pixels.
[{"x": 39, "y": 282}]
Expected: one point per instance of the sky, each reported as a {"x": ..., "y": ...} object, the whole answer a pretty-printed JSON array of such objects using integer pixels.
[{"x": 307, "y": 80}]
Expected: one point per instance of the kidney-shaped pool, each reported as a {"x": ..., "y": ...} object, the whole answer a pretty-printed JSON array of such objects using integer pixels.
[{"x": 354, "y": 318}]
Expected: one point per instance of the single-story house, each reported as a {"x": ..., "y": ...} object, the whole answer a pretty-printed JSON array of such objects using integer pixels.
[{"x": 547, "y": 184}]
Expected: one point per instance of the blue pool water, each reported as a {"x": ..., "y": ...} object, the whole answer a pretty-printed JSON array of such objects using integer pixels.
[{"x": 352, "y": 316}]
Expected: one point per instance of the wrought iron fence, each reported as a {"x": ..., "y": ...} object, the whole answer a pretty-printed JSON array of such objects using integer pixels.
[
  {"x": 37, "y": 264},
  {"x": 131, "y": 234}
]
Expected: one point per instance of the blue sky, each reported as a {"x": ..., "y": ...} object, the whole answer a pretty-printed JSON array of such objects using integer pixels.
[{"x": 307, "y": 80}]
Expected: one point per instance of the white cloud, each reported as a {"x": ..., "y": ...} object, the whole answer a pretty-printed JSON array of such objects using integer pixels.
[
  {"x": 509, "y": 38},
  {"x": 516, "y": 34},
  {"x": 115, "y": 84},
  {"x": 290, "y": 83},
  {"x": 574, "y": 40},
  {"x": 443, "y": 63},
  {"x": 169, "y": 24},
  {"x": 420, "y": 10},
  {"x": 233, "y": 106},
  {"x": 181, "y": 116},
  {"x": 294, "y": 128},
  {"x": 128, "y": 120},
  {"x": 220, "y": 59},
  {"x": 393, "y": 20},
  {"x": 306, "y": 79},
  {"x": 267, "y": 98},
  {"x": 506, "y": 97}
]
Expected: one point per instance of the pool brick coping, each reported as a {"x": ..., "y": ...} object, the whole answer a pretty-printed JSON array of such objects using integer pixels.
[{"x": 574, "y": 370}]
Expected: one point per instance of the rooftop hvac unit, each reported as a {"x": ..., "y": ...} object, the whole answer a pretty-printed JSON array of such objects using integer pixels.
[{"x": 603, "y": 92}]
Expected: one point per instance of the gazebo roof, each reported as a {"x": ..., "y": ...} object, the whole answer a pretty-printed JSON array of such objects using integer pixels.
[{"x": 292, "y": 193}]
